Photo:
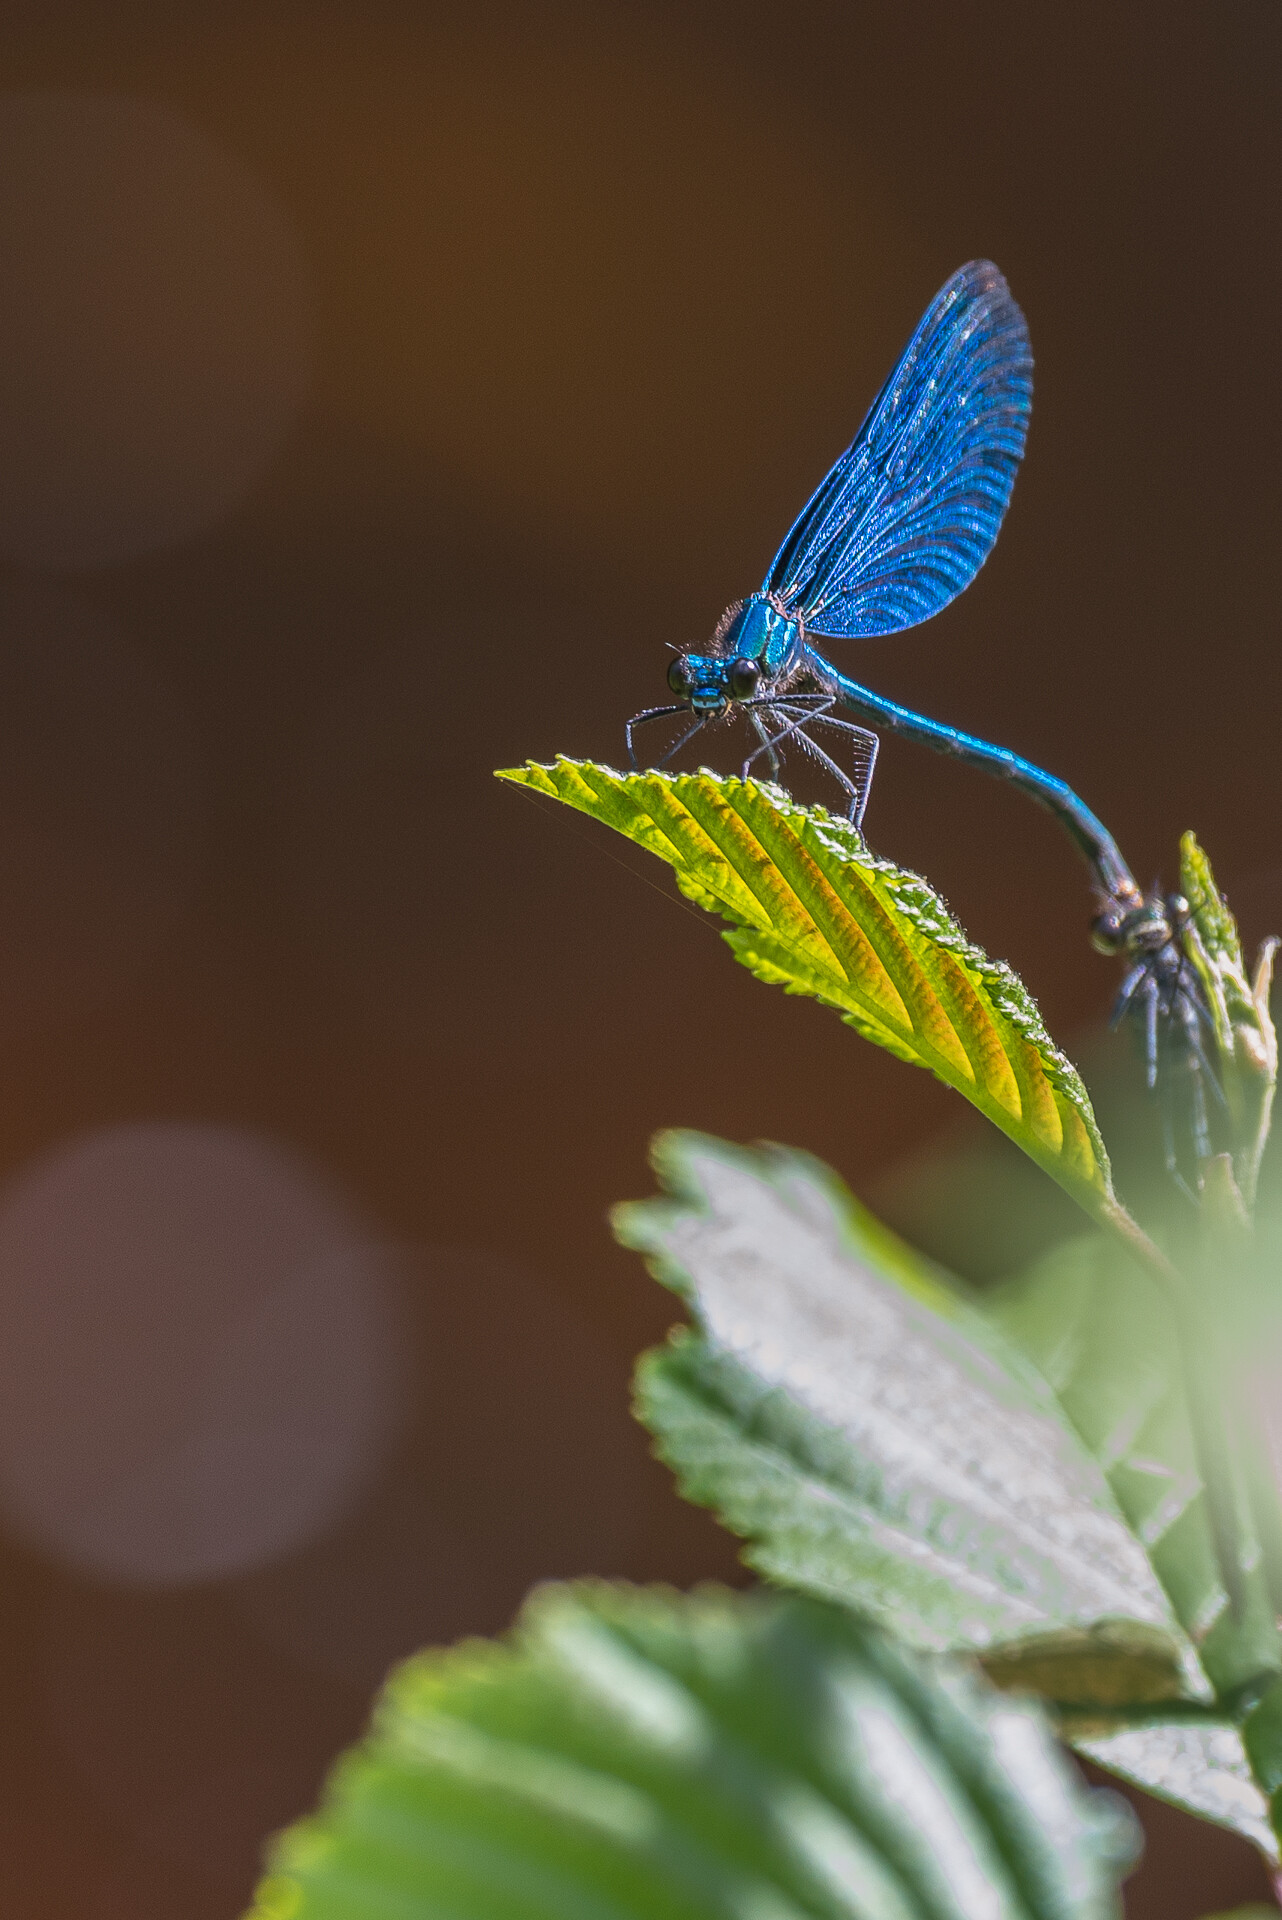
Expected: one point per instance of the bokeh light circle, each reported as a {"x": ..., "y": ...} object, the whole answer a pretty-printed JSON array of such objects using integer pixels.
[
  {"x": 199, "y": 1354},
  {"x": 521, "y": 1463}
]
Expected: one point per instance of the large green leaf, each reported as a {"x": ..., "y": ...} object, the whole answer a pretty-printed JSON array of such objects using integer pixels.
[
  {"x": 628, "y": 1753},
  {"x": 879, "y": 1440},
  {"x": 814, "y": 912},
  {"x": 868, "y": 1433}
]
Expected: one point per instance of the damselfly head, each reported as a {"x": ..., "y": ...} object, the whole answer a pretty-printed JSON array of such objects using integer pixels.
[
  {"x": 1149, "y": 928},
  {"x": 708, "y": 683},
  {"x": 700, "y": 680},
  {"x": 1139, "y": 930}
]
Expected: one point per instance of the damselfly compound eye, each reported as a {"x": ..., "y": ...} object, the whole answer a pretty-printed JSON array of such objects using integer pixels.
[
  {"x": 679, "y": 678},
  {"x": 1106, "y": 932},
  {"x": 743, "y": 679}
]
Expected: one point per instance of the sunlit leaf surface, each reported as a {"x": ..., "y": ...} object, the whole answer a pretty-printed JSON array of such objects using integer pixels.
[
  {"x": 816, "y": 913},
  {"x": 869, "y": 1435},
  {"x": 877, "y": 1439},
  {"x": 628, "y": 1753}
]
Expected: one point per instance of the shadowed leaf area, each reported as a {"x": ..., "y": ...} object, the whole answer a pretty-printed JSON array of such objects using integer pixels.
[{"x": 631, "y": 1752}]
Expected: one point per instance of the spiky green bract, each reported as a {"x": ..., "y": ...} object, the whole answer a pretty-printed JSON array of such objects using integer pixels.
[
  {"x": 1245, "y": 1044},
  {"x": 816, "y": 913},
  {"x": 629, "y": 1753}
]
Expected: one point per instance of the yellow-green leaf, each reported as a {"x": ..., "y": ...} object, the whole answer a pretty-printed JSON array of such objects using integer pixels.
[{"x": 813, "y": 911}]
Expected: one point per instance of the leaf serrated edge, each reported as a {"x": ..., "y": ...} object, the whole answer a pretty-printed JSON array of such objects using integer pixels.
[{"x": 1054, "y": 1122}]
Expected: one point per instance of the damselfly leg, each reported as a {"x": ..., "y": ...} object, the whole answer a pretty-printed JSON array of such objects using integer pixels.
[
  {"x": 639, "y": 719},
  {"x": 767, "y": 746},
  {"x": 1164, "y": 994},
  {"x": 866, "y": 744},
  {"x": 662, "y": 713},
  {"x": 775, "y": 721},
  {"x": 686, "y": 737},
  {"x": 800, "y": 713}
]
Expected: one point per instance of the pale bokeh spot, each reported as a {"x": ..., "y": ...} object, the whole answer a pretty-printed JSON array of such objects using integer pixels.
[{"x": 199, "y": 1354}]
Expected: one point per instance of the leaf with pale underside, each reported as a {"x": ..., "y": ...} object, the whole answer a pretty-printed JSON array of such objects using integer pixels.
[
  {"x": 877, "y": 1439},
  {"x": 1198, "y": 1765},
  {"x": 815, "y": 912},
  {"x": 629, "y": 1753},
  {"x": 867, "y": 1432}
]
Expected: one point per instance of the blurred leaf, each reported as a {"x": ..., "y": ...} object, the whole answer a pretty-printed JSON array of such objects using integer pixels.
[
  {"x": 815, "y": 913},
  {"x": 868, "y": 1433},
  {"x": 1099, "y": 1331},
  {"x": 629, "y": 1753}
]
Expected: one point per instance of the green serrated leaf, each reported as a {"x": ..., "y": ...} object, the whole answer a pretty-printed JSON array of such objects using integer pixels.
[
  {"x": 816, "y": 913},
  {"x": 628, "y": 1752},
  {"x": 861, "y": 1426}
]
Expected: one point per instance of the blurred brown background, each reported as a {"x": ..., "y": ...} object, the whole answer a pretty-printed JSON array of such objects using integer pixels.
[{"x": 380, "y": 388}]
